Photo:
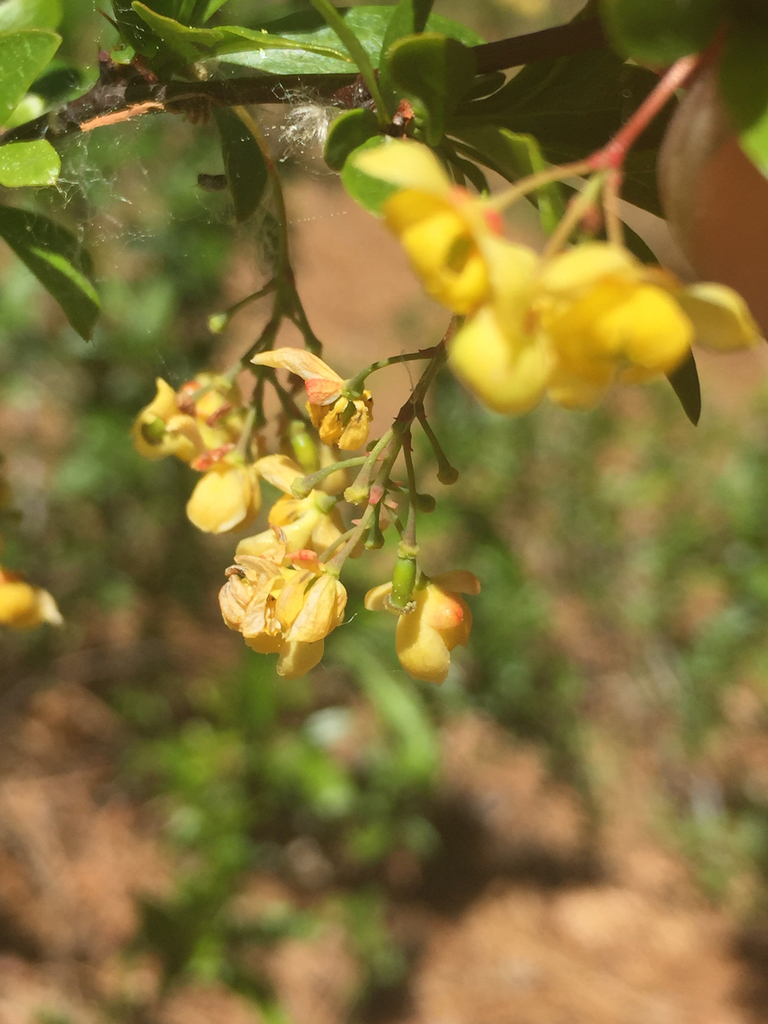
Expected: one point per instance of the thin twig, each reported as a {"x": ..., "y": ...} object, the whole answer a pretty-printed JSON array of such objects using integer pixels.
[{"x": 121, "y": 93}]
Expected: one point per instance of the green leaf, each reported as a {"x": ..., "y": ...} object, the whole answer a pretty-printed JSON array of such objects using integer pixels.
[
  {"x": 685, "y": 381},
  {"x": 434, "y": 72},
  {"x": 134, "y": 30},
  {"x": 212, "y": 7},
  {"x": 194, "y": 44},
  {"x": 348, "y": 131},
  {"x": 58, "y": 262},
  {"x": 744, "y": 86},
  {"x": 514, "y": 155},
  {"x": 16, "y": 14},
  {"x": 572, "y": 106},
  {"x": 244, "y": 164},
  {"x": 640, "y": 185},
  {"x": 29, "y": 163},
  {"x": 408, "y": 18},
  {"x": 371, "y": 193},
  {"x": 463, "y": 170},
  {"x": 660, "y": 31},
  {"x": 23, "y": 55},
  {"x": 368, "y": 23}
]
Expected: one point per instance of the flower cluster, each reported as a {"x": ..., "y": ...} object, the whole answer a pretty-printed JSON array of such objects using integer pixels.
[
  {"x": 202, "y": 425},
  {"x": 569, "y": 326},
  {"x": 283, "y": 604},
  {"x": 283, "y": 592}
]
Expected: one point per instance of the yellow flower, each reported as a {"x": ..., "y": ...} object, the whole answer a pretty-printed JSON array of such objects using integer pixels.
[
  {"x": 226, "y": 498},
  {"x": 505, "y": 364},
  {"x": 439, "y": 224},
  {"x": 161, "y": 428},
  {"x": 339, "y": 418},
  {"x": 206, "y": 414},
  {"x": 438, "y": 621},
  {"x": 23, "y": 606},
  {"x": 302, "y": 524},
  {"x": 283, "y": 608},
  {"x": 217, "y": 406},
  {"x": 589, "y": 317}
]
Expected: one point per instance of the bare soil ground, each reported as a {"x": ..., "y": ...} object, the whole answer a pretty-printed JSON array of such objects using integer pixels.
[{"x": 529, "y": 915}]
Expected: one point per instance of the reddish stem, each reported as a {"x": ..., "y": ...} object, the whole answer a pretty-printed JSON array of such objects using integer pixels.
[{"x": 612, "y": 156}]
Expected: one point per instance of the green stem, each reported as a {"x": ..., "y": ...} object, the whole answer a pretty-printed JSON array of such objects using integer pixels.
[
  {"x": 446, "y": 473},
  {"x": 409, "y": 535},
  {"x": 310, "y": 482},
  {"x": 363, "y": 479},
  {"x": 220, "y": 321},
  {"x": 578, "y": 206},
  {"x": 299, "y": 317},
  {"x": 243, "y": 446},
  {"x": 358, "y": 53},
  {"x": 355, "y": 384},
  {"x": 535, "y": 181}
]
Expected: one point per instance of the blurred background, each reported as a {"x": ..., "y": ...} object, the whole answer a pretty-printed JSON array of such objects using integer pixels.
[{"x": 573, "y": 828}]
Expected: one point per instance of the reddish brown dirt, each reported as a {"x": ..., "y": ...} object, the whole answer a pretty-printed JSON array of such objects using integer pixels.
[{"x": 544, "y": 922}]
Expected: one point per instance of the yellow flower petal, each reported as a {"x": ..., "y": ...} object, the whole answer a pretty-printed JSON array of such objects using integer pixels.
[
  {"x": 279, "y": 470},
  {"x": 569, "y": 274},
  {"x": 297, "y": 360},
  {"x": 23, "y": 606},
  {"x": 507, "y": 372},
  {"x": 721, "y": 318},
  {"x": 405, "y": 163},
  {"x": 225, "y": 498},
  {"x": 376, "y": 598},
  {"x": 441, "y": 249},
  {"x": 296, "y": 658}
]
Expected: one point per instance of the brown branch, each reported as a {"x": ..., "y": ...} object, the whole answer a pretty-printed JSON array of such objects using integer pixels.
[
  {"x": 561, "y": 41},
  {"x": 123, "y": 92}
]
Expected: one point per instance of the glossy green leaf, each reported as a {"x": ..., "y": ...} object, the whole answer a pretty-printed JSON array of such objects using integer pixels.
[
  {"x": 463, "y": 170},
  {"x": 212, "y": 7},
  {"x": 744, "y": 86},
  {"x": 58, "y": 262},
  {"x": 31, "y": 106},
  {"x": 368, "y": 23},
  {"x": 572, "y": 106},
  {"x": 660, "y": 31},
  {"x": 349, "y": 131},
  {"x": 194, "y": 44},
  {"x": 29, "y": 163},
  {"x": 514, "y": 155},
  {"x": 369, "y": 192},
  {"x": 408, "y": 18},
  {"x": 685, "y": 381},
  {"x": 23, "y": 55},
  {"x": 134, "y": 30},
  {"x": 244, "y": 164},
  {"x": 433, "y": 72},
  {"x": 16, "y": 14}
]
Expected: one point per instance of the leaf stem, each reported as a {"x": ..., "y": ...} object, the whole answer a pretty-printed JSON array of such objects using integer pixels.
[
  {"x": 355, "y": 384},
  {"x": 535, "y": 181},
  {"x": 577, "y": 207},
  {"x": 615, "y": 152}
]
